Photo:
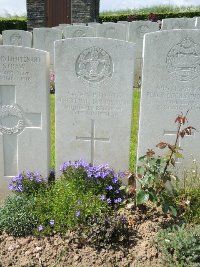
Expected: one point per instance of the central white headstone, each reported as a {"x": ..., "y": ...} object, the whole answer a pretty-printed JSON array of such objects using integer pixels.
[
  {"x": 94, "y": 89},
  {"x": 24, "y": 115},
  {"x": 171, "y": 86}
]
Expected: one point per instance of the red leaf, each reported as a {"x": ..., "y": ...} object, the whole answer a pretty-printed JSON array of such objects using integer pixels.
[
  {"x": 150, "y": 153},
  {"x": 162, "y": 145}
]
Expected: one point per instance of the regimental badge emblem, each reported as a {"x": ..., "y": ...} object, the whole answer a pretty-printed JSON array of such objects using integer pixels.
[
  {"x": 183, "y": 60},
  {"x": 16, "y": 39},
  {"x": 94, "y": 65}
]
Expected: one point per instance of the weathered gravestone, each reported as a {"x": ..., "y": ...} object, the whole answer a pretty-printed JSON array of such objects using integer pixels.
[
  {"x": 24, "y": 113},
  {"x": 112, "y": 30},
  {"x": 1, "y": 40},
  {"x": 17, "y": 38},
  {"x": 137, "y": 29},
  {"x": 94, "y": 89},
  {"x": 178, "y": 23},
  {"x": 78, "y": 31},
  {"x": 43, "y": 39},
  {"x": 170, "y": 86}
]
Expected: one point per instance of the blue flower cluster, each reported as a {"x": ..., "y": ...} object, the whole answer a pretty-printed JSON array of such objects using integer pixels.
[
  {"x": 105, "y": 176},
  {"x": 24, "y": 182}
]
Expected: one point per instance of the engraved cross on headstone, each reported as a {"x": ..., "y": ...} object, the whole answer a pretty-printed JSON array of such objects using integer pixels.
[
  {"x": 13, "y": 121},
  {"x": 92, "y": 140},
  {"x": 174, "y": 133}
]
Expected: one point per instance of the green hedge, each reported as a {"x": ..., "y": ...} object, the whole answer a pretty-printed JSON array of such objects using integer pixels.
[
  {"x": 159, "y": 16},
  {"x": 10, "y": 24}
]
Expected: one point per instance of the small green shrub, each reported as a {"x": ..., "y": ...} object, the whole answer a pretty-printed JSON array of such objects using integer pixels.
[
  {"x": 15, "y": 23},
  {"x": 66, "y": 205},
  {"x": 82, "y": 191},
  {"x": 17, "y": 216},
  {"x": 180, "y": 246}
]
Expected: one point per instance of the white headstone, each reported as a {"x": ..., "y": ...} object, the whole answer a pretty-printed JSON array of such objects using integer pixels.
[
  {"x": 170, "y": 86},
  {"x": 24, "y": 113},
  {"x": 17, "y": 38},
  {"x": 43, "y": 39},
  {"x": 137, "y": 29},
  {"x": 178, "y": 23},
  {"x": 78, "y": 31},
  {"x": 94, "y": 89},
  {"x": 112, "y": 30}
]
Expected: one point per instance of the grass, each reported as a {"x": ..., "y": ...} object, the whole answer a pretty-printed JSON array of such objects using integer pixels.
[
  {"x": 134, "y": 130},
  {"x": 152, "y": 9},
  {"x": 52, "y": 130}
]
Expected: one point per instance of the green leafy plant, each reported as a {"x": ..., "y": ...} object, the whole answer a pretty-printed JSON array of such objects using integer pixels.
[
  {"x": 17, "y": 216},
  {"x": 154, "y": 174},
  {"x": 180, "y": 246},
  {"x": 66, "y": 205}
]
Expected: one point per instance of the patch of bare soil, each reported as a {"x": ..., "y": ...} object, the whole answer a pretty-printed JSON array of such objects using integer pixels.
[{"x": 63, "y": 251}]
